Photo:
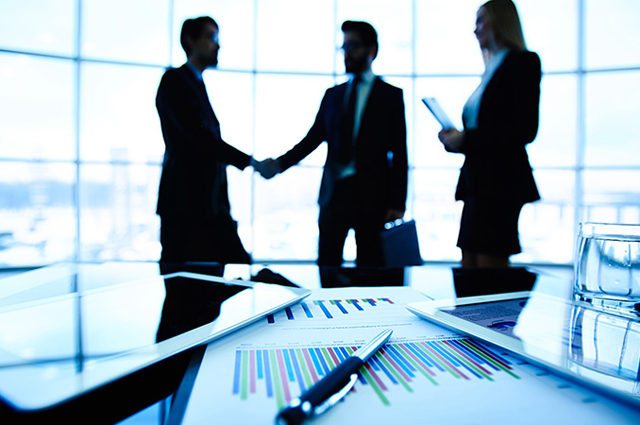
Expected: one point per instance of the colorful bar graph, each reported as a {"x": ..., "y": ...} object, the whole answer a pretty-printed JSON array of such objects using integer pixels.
[
  {"x": 289, "y": 313},
  {"x": 306, "y": 310},
  {"x": 283, "y": 373},
  {"x": 327, "y": 309},
  {"x": 320, "y": 303}
]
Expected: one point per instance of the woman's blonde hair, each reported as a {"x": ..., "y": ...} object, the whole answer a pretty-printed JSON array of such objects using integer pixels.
[{"x": 506, "y": 23}]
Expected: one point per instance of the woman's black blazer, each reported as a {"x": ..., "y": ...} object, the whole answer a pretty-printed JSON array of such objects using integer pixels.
[{"x": 496, "y": 163}]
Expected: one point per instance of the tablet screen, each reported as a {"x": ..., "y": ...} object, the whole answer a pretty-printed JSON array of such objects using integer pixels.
[
  {"x": 500, "y": 316},
  {"x": 587, "y": 345},
  {"x": 55, "y": 349},
  {"x": 439, "y": 114}
]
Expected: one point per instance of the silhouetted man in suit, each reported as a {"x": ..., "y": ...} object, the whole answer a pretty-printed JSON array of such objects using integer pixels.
[
  {"x": 364, "y": 183},
  {"x": 193, "y": 203}
]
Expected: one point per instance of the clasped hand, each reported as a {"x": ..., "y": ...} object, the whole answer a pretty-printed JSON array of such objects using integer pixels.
[{"x": 267, "y": 168}]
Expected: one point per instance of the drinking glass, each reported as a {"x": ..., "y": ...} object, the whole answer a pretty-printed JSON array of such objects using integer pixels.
[{"x": 607, "y": 267}]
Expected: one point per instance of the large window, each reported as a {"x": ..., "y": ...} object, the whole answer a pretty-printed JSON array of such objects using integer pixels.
[{"x": 80, "y": 141}]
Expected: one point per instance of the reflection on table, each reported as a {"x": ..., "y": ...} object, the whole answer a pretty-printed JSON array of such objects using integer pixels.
[{"x": 182, "y": 304}]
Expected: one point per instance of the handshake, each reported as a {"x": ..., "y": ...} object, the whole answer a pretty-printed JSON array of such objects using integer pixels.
[{"x": 267, "y": 168}]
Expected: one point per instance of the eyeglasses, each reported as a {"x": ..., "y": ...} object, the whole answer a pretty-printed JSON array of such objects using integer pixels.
[{"x": 349, "y": 47}]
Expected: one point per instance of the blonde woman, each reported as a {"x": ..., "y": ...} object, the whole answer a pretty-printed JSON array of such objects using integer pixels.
[{"x": 500, "y": 119}]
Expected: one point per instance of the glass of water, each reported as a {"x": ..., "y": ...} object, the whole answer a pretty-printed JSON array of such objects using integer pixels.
[{"x": 607, "y": 267}]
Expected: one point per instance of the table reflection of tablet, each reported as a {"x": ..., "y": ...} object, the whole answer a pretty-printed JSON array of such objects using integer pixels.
[
  {"x": 587, "y": 346},
  {"x": 440, "y": 115},
  {"x": 60, "y": 348}
]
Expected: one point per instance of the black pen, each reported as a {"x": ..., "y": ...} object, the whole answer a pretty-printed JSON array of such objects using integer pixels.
[{"x": 333, "y": 387}]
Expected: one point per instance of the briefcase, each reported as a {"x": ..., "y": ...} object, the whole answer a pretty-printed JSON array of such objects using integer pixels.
[{"x": 400, "y": 244}]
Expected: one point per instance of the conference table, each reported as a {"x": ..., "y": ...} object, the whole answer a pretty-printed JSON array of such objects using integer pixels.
[{"x": 150, "y": 394}]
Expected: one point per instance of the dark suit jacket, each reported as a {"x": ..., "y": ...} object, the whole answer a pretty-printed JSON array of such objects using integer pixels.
[
  {"x": 194, "y": 176},
  {"x": 496, "y": 163},
  {"x": 380, "y": 148}
]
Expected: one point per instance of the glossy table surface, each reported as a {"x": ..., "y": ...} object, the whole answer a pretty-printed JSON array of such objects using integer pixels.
[{"x": 145, "y": 396}]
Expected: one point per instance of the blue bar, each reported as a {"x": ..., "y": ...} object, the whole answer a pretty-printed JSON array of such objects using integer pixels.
[
  {"x": 470, "y": 369},
  {"x": 342, "y": 309},
  {"x": 400, "y": 356},
  {"x": 464, "y": 364},
  {"x": 339, "y": 353},
  {"x": 473, "y": 355},
  {"x": 467, "y": 351},
  {"x": 236, "y": 374},
  {"x": 319, "y": 368},
  {"x": 355, "y": 302},
  {"x": 259, "y": 357},
  {"x": 267, "y": 374},
  {"x": 303, "y": 387},
  {"x": 287, "y": 362},
  {"x": 270, "y": 319},
  {"x": 322, "y": 361},
  {"x": 484, "y": 348},
  {"x": 306, "y": 310},
  {"x": 425, "y": 359},
  {"x": 289, "y": 313},
  {"x": 374, "y": 358},
  {"x": 370, "y": 301},
  {"x": 399, "y": 361},
  {"x": 443, "y": 354},
  {"x": 373, "y": 364},
  {"x": 344, "y": 352},
  {"x": 324, "y": 309},
  {"x": 428, "y": 354}
]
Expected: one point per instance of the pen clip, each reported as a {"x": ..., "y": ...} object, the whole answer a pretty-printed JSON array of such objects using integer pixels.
[{"x": 331, "y": 401}]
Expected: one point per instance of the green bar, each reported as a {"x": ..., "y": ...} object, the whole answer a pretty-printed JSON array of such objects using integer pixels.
[
  {"x": 303, "y": 366},
  {"x": 244, "y": 383},
  {"x": 393, "y": 371},
  {"x": 484, "y": 356},
  {"x": 245, "y": 375},
  {"x": 276, "y": 376},
  {"x": 433, "y": 356},
  {"x": 374, "y": 385},
  {"x": 327, "y": 357},
  {"x": 461, "y": 359},
  {"x": 416, "y": 364}
]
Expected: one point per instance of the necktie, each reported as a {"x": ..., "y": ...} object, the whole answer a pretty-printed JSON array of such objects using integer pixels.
[{"x": 348, "y": 121}]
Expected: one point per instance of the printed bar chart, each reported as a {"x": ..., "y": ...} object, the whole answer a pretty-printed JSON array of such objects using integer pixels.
[
  {"x": 283, "y": 373},
  {"x": 329, "y": 309}
]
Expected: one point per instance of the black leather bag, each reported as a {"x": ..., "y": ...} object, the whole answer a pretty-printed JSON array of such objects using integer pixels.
[{"x": 400, "y": 244}]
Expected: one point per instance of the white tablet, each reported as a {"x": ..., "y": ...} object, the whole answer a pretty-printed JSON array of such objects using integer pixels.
[
  {"x": 440, "y": 115},
  {"x": 59, "y": 348},
  {"x": 585, "y": 345}
]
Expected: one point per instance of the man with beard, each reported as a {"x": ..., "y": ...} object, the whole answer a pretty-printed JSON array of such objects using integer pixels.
[
  {"x": 364, "y": 183},
  {"x": 193, "y": 203}
]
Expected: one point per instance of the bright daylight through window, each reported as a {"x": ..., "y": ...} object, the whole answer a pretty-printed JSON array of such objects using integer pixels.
[{"x": 81, "y": 147}]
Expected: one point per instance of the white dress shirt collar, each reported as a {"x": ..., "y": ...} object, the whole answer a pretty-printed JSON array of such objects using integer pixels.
[{"x": 366, "y": 77}]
